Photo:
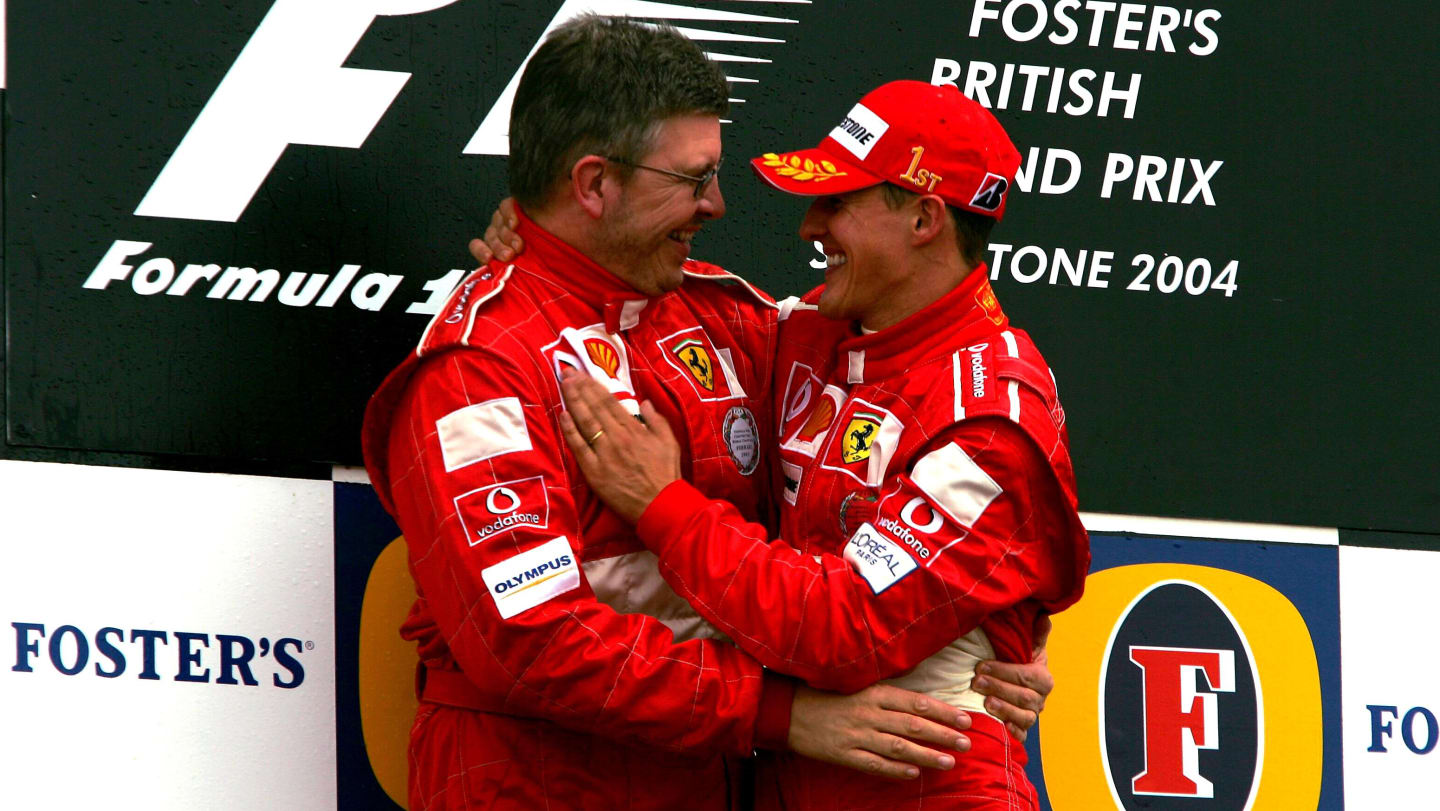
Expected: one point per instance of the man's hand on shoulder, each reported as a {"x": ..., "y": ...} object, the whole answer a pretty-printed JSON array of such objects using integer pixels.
[
  {"x": 627, "y": 462},
  {"x": 500, "y": 241}
]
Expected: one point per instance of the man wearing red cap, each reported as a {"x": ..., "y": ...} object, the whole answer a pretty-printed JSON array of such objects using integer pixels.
[{"x": 928, "y": 510}]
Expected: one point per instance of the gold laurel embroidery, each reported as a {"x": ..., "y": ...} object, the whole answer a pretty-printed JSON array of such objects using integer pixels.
[{"x": 793, "y": 167}]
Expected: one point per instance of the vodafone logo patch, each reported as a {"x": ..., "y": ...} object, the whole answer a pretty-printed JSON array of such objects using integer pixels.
[{"x": 500, "y": 508}]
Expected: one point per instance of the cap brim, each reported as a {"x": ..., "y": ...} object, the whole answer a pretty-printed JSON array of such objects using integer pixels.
[{"x": 812, "y": 172}]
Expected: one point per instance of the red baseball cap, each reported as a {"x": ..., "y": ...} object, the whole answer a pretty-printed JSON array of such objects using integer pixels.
[{"x": 928, "y": 139}]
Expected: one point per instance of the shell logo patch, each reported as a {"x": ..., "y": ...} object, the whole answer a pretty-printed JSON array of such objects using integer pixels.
[
  {"x": 602, "y": 354},
  {"x": 820, "y": 419},
  {"x": 859, "y": 435},
  {"x": 696, "y": 360}
]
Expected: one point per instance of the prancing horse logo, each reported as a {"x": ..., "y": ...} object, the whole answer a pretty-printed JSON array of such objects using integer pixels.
[
  {"x": 859, "y": 436},
  {"x": 697, "y": 361}
]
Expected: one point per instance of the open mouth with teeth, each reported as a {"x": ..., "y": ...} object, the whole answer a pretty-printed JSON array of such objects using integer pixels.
[
  {"x": 683, "y": 237},
  {"x": 835, "y": 260}
]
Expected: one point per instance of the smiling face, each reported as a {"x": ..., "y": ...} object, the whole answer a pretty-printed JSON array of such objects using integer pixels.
[
  {"x": 866, "y": 244},
  {"x": 646, "y": 234}
]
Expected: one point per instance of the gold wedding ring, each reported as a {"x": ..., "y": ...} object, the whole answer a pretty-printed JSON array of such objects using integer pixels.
[{"x": 597, "y": 435}]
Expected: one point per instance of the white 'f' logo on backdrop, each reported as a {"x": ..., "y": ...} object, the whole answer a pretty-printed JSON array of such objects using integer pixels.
[{"x": 288, "y": 87}]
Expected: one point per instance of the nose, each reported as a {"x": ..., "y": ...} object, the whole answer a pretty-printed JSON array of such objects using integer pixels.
[
  {"x": 813, "y": 226},
  {"x": 712, "y": 202}
]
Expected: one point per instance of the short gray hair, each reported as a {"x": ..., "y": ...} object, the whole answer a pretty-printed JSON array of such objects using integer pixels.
[{"x": 602, "y": 85}]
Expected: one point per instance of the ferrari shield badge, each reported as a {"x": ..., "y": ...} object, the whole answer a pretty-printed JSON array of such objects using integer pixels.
[
  {"x": 695, "y": 359},
  {"x": 859, "y": 435}
]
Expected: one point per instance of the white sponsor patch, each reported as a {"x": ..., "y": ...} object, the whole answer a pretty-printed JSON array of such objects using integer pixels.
[
  {"x": 533, "y": 577},
  {"x": 859, "y": 131},
  {"x": 482, "y": 431},
  {"x": 599, "y": 354},
  {"x": 799, "y": 400},
  {"x": 879, "y": 560},
  {"x": 953, "y": 481},
  {"x": 807, "y": 435},
  {"x": 499, "y": 508},
  {"x": 793, "y": 475}
]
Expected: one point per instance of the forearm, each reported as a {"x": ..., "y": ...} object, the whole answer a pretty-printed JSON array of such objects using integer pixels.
[{"x": 814, "y": 618}]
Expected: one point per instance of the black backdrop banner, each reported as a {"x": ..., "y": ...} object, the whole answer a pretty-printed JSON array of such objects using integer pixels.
[{"x": 226, "y": 222}]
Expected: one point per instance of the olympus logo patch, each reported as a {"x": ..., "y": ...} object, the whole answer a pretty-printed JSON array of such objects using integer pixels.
[{"x": 533, "y": 577}]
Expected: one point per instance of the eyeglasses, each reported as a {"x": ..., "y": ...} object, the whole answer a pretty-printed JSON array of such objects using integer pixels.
[{"x": 702, "y": 182}]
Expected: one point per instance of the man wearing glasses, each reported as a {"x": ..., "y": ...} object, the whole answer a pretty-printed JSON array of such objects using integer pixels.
[{"x": 558, "y": 669}]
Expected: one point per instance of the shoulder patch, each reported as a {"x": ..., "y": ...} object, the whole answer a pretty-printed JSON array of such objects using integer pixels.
[
  {"x": 451, "y": 326},
  {"x": 496, "y": 509},
  {"x": 879, "y": 560},
  {"x": 717, "y": 274},
  {"x": 481, "y": 431},
  {"x": 532, "y": 577},
  {"x": 953, "y": 481},
  {"x": 977, "y": 385}
]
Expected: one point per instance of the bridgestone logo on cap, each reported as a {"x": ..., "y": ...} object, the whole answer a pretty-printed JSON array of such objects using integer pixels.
[
  {"x": 991, "y": 192},
  {"x": 859, "y": 131}
]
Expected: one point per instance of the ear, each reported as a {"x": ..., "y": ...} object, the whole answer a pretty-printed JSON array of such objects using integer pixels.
[
  {"x": 930, "y": 218},
  {"x": 587, "y": 184}
]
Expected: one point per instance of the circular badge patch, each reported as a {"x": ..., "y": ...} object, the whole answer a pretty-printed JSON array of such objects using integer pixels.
[{"x": 742, "y": 439}]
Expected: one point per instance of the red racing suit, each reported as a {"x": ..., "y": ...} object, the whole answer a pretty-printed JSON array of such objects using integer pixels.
[
  {"x": 558, "y": 669},
  {"x": 928, "y": 515}
]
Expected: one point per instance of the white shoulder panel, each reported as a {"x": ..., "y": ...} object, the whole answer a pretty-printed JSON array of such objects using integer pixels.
[
  {"x": 953, "y": 480},
  {"x": 481, "y": 431}
]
